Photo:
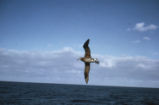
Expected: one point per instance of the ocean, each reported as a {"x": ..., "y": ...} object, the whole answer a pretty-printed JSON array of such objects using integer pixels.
[{"x": 20, "y": 93}]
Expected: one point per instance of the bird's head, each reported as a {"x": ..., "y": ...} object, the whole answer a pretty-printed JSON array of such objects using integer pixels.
[{"x": 78, "y": 58}]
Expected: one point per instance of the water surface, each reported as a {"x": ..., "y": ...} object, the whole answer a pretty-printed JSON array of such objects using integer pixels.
[{"x": 19, "y": 93}]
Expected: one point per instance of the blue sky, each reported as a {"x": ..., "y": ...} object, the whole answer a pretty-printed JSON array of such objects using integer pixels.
[
  {"x": 123, "y": 28},
  {"x": 35, "y": 25}
]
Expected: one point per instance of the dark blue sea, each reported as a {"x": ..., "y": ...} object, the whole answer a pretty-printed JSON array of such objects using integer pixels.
[{"x": 19, "y": 93}]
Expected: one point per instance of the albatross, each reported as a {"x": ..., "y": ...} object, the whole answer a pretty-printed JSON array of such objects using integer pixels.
[{"x": 87, "y": 59}]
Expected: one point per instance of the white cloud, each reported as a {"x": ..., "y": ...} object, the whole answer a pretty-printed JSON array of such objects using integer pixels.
[
  {"x": 142, "y": 27},
  {"x": 139, "y": 41},
  {"x": 146, "y": 38},
  {"x": 136, "y": 41},
  {"x": 62, "y": 67}
]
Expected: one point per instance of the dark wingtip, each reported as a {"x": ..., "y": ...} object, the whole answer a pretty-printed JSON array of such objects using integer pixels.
[
  {"x": 86, "y": 79},
  {"x": 86, "y": 82},
  {"x": 86, "y": 44},
  {"x": 87, "y": 41}
]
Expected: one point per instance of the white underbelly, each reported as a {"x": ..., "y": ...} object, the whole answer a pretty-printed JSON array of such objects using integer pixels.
[{"x": 89, "y": 60}]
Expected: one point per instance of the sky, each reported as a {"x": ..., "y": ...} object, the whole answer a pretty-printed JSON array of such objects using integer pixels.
[{"x": 41, "y": 40}]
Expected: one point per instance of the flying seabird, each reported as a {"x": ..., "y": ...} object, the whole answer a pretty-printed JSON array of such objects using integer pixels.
[{"x": 87, "y": 59}]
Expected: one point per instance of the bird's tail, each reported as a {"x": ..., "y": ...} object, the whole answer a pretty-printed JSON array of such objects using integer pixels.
[{"x": 96, "y": 61}]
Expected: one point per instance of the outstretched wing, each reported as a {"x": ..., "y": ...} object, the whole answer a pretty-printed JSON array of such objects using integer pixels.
[
  {"x": 87, "y": 49},
  {"x": 86, "y": 72}
]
